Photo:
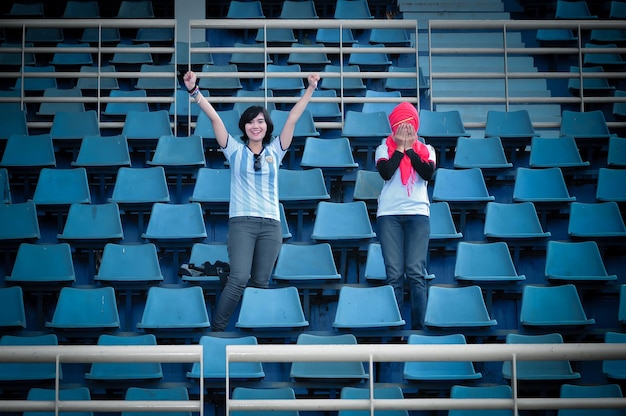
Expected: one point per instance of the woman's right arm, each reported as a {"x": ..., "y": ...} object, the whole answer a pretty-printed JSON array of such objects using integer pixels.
[{"x": 221, "y": 134}]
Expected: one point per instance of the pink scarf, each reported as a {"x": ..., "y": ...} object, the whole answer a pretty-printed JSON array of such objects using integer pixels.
[{"x": 405, "y": 113}]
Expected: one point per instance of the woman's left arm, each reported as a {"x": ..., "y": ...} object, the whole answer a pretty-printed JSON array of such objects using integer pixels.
[{"x": 286, "y": 135}]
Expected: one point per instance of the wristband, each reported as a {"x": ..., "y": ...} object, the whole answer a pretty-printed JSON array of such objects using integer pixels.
[
  {"x": 194, "y": 92},
  {"x": 194, "y": 87}
]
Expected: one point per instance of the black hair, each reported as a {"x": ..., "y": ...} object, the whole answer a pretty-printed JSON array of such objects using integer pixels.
[{"x": 248, "y": 115}]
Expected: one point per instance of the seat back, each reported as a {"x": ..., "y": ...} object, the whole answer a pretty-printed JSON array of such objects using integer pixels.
[
  {"x": 103, "y": 151},
  {"x": 28, "y": 371},
  {"x": 278, "y": 84},
  {"x": 441, "y": 124},
  {"x": 486, "y": 153},
  {"x": 572, "y": 391},
  {"x": 76, "y": 59},
  {"x": 455, "y": 371},
  {"x": 35, "y": 83},
  {"x": 81, "y": 10},
  {"x": 167, "y": 393},
  {"x": 51, "y": 108},
  {"x": 141, "y": 9},
  {"x": 179, "y": 151},
  {"x": 151, "y": 83},
  {"x": 449, "y": 307},
  {"x": 481, "y": 392},
  {"x": 153, "y": 186},
  {"x": 290, "y": 187},
  {"x": 181, "y": 107},
  {"x": 29, "y": 151},
  {"x": 552, "y": 306},
  {"x": 342, "y": 221},
  {"x": 244, "y": 10},
  {"x": 385, "y": 393},
  {"x": 273, "y": 308},
  {"x": 12, "y": 311},
  {"x": 328, "y": 153},
  {"x": 354, "y": 308},
  {"x": 584, "y": 124},
  {"x": 121, "y": 109},
  {"x": 614, "y": 369},
  {"x": 513, "y": 221},
  {"x": 616, "y": 156},
  {"x": 305, "y": 126},
  {"x": 221, "y": 83},
  {"x": 373, "y": 61},
  {"x": 349, "y": 84},
  {"x": 359, "y": 124},
  {"x": 352, "y": 9},
  {"x": 38, "y": 263},
  {"x": 93, "y": 222},
  {"x": 204, "y": 127},
  {"x": 129, "y": 263},
  {"x": 460, "y": 185},
  {"x": 298, "y": 262},
  {"x": 147, "y": 125},
  {"x": 62, "y": 187},
  {"x": 175, "y": 308},
  {"x": 541, "y": 185},
  {"x": 609, "y": 186},
  {"x": 546, "y": 152},
  {"x": 442, "y": 225},
  {"x": 575, "y": 261},
  {"x": 197, "y": 58},
  {"x": 572, "y": 10},
  {"x": 75, "y": 393},
  {"x": 367, "y": 186},
  {"x": 85, "y": 308},
  {"x": 18, "y": 221},
  {"x": 13, "y": 122},
  {"x": 509, "y": 124},
  {"x": 248, "y": 393},
  {"x": 374, "y": 107},
  {"x": 485, "y": 262},
  {"x": 214, "y": 351},
  {"x": 74, "y": 125},
  {"x": 175, "y": 222},
  {"x": 602, "y": 219},
  {"x": 212, "y": 186}
]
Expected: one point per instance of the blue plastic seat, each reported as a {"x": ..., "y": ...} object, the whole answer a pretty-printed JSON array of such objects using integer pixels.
[
  {"x": 384, "y": 393},
  {"x": 366, "y": 131},
  {"x": 212, "y": 188},
  {"x": 308, "y": 61},
  {"x": 74, "y": 125},
  {"x": 292, "y": 9},
  {"x": 12, "y": 312},
  {"x": 619, "y": 108},
  {"x": 244, "y": 10},
  {"x": 43, "y": 35},
  {"x": 5, "y": 187},
  {"x": 572, "y": 391},
  {"x": 484, "y": 153},
  {"x": 222, "y": 83},
  {"x": 510, "y": 125},
  {"x": 183, "y": 108},
  {"x": 354, "y": 308},
  {"x": 174, "y": 308},
  {"x": 374, "y": 107},
  {"x": 126, "y": 263},
  {"x": 24, "y": 151},
  {"x": 74, "y": 59},
  {"x": 485, "y": 263},
  {"x": 595, "y": 220},
  {"x": 135, "y": 9},
  {"x": 37, "y": 84},
  {"x": 442, "y": 227},
  {"x": 166, "y": 393},
  {"x": 81, "y": 10},
  {"x": 481, "y": 392},
  {"x": 146, "y": 125},
  {"x": 153, "y": 187},
  {"x": 369, "y": 61},
  {"x": 335, "y": 36},
  {"x": 614, "y": 369},
  {"x": 13, "y": 122},
  {"x": 304, "y": 262},
  {"x": 573, "y": 10},
  {"x": 131, "y": 59},
  {"x": 569, "y": 261},
  {"x": 552, "y": 306},
  {"x": 15, "y": 103},
  {"x": 609, "y": 186},
  {"x": 43, "y": 263},
  {"x": 460, "y": 186},
  {"x": 24, "y": 9},
  {"x": 350, "y": 86},
  {"x": 548, "y": 152},
  {"x": 328, "y": 371},
  {"x": 28, "y": 371},
  {"x": 259, "y": 96},
  {"x": 18, "y": 222},
  {"x": 278, "y": 36},
  {"x": 214, "y": 350},
  {"x": 50, "y": 395},
  {"x": 333, "y": 156},
  {"x": 157, "y": 84},
  {"x": 544, "y": 370},
  {"x": 204, "y": 127},
  {"x": 85, "y": 308},
  {"x": 584, "y": 125},
  {"x": 90, "y": 223},
  {"x": 14, "y": 59},
  {"x": 352, "y": 9},
  {"x": 103, "y": 35},
  {"x": 367, "y": 187},
  {"x": 605, "y": 60},
  {"x": 122, "y": 108},
  {"x": 590, "y": 85},
  {"x": 103, "y": 83},
  {"x": 541, "y": 186},
  {"x": 196, "y": 59},
  {"x": 335, "y": 221},
  {"x": 456, "y": 307},
  {"x": 175, "y": 222},
  {"x": 248, "y": 393},
  {"x": 513, "y": 221},
  {"x": 272, "y": 308},
  {"x": 62, "y": 187},
  {"x": 154, "y": 35},
  {"x": 255, "y": 60},
  {"x": 454, "y": 371},
  {"x": 103, "y": 153},
  {"x": 125, "y": 371},
  {"x": 288, "y": 85},
  {"x": 389, "y": 36},
  {"x": 179, "y": 155},
  {"x": 305, "y": 126},
  {"x": 202, "y": 253},
  {"x": 616, "y": 156},
  {"x": 441, "y": 125}
]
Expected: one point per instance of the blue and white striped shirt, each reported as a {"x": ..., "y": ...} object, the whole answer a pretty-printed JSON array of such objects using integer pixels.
[{"x": 254, "y": 193}]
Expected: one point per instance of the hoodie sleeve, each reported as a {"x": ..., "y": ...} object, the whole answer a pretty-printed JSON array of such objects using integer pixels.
[{"x": 387, "y": 167}]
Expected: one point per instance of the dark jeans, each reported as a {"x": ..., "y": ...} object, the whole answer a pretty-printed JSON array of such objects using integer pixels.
[
  {"x": 404, "y": 243},
  {"x": 253, "y": 247}
]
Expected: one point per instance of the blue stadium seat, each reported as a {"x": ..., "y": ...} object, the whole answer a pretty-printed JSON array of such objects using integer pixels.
[
  {"x": 552, "y": 307},
  {"x": 609, "y": 186},
  {"x": 29, "y": 371},
  {"x": 103, "y": 83},
  {"x": 166, "y": 393},
  {"x": 103, "y": 35},
  {"x": 24, "y": 151},
  {"x": 44, "y": 35},
  {"x": 204, "y": 127},
  {"x": 26, "y": 9},
  {"x": 259, "y": 96},
  {"x": 355, "y": 312},
  {"x": 305, "y": 126},
  {"x": 456, "y": 307},
  {"x": 549, "y": 152},
  {"x": 284, "y": 225},
  {"x": 453, "y": 371},
  {"x": 212, "y": 189},
  {"x": 74, "y": 126},
  {"x": 545, "y": 370},
  {"x": 183, "y": 108},
  {"x": 146, "y": 125},
  {"x": 572, "y": 391},
  {"x": 14, "y": 59},
  {"x": 51, "y": 108},
  {"x": 249, "y": 393},
  {"x": 157, "y": 85},
  {"x": 352, "y": 9},
  {"x": 18, "y": 222},
  {"x": 216, "y": 84},
  {"x": 335, "y": 36},
  {"x": 591, "y": 85},
  {"x": 5, "y": 187},
  {"x": 515, "y": 128},
  {"x": 441, "y": 125},
  {"x": 131, "y": 59},
  {"x": 407, "y": 86},
  {"x": 66, "y": 60},
  {"x": 614, "y": 370},
  {"x": 43, "y": 263},
  {"x": 85, "y": 308},
  {"x": 586, "y": 127},
  {"x": 12, "y": 310},
  {"x": 215, "y": 360},
  {"x": 119, "y": 109},
  {"x": 367, "y": 187},
  {"x": 617, "y": 10},
  {"x": 304, "y": 262},
  {"x": 36, "y": 83},
  {"x": 155, "y": 35},
  {"x": 202, "y": 253},
  {"x": 129, "y": 263},
  {"x": 292, "y": 9},
  {"x": 283, "y": 86},
  {"x": 573, "y": 10},
  {"x": 327, "y": 371},
  {"x": 485, "y": 263},
  {"x": 541, "y": 186},
  {"x": 374, "y": 107},
  {"x": 333, "y": 156},
  {"x": 285, "y": 311},
  {"x": 366, "y": 131},
  {"x": 568, "y": 261},
  {"x": 183, "y": 57},
  {"x": 350, "y": 86},
  {"x": 342, "y": 221},
  {"x": 390, "y": 36},
  {"x": 81, "y": 10},
  {"x": 616, "y": 156},
  {"x": 383, "y": 393},
  {"x": 13, "y": 122},
  {"x": 244, "y": 10},
  {"x": 608, "y": 61},
  {"x": 443, "y": 231},
  {"x": 484, "y": 393},
  {"x": 89, "y": 223},
  {"x": 50, "y": 395},
  {"x": 15, "y": 104},
  {"x": 277, "y": 36},
  {"x": 369, "y": 61},
  {"x": 518, "y": 221},
  {"x": 485, "y": 153},
  {"x": 125, "y": 371},
  {"x": 308, "y": 61},
  {"x": 136, "y": 9},
  {"x": 595, "y": 220},
  {"x": 255, "y": 60},
  {"x": 174, "y": 308},
  {"x": 175, "y": 222},
  {"x": 59, "y": 188}
]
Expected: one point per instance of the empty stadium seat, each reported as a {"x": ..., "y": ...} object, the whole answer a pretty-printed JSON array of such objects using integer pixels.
[
  {"x": 485, "y": 153},
  {"x": 335, "y": 36},
  {"x": 100, "y": 152},
  {"x": 13, "y": 372},
  {"x": 549, "y": 152},
  {"x": 513, "y": 222},
  {"x": 374, "y": 107},
  {"x": 614, "y": 370},
  {"x": 352, "y": 9},
  {"x": 367, "y": 187},
  {"x": 120, "y": 109},
  {"x": 63, "y": 394},
  {"x": 131, "y": 60},
  {"x": 608, "y": 61},
  {"x": 369, "y": 61},
  {"x": 24, "y": 151},
  {"x": 249, "y": 393},
  {"x": 117, "y": 372},
  {"x": 73, "y": 60},
  {"x": 573, "y": 10},
  {"x": 355, "y": 312},
  {"x": 383, "y": 393},
  {"x": 174, "y": 308},
  {"x": 255, "y": 60},
  {"x": 182, "y": 108},
  {"x": 272, "y": 308},
  {"x": 572, "y": 391},
  {"x": 85, "y": 308},
  {"x": 452, "y": 371},
  {"x": 175, "y": 222},
  {"x": 308, "y": 61},
  {"x": 304, "y": 262},
  {"x": 74, "y": 126},
  {"x": 51, "y": 108},
  {"x": 13, "y": 122},
  {"x": 18, "y": 222},
  {"x": 349, "y": 86},
  {"x": 36, "y": 83},
  {"x": 552, "y": 306},
  {"x": 179, "y": 393},
  {"x": 443, "y": 231},
  {"x": 283, "y": 86},
  {"x": 260, "y": 100},
  {"x": 366, "y": 131},
  {"x": 43, "y": 263},
  {"x": 535, "y": 371},
  {"x": 616, "y": 156},
  {"x": 59, "y": 188},
  {"x": 568, "y": 261},
  {"x": 81, "y": 10},
  {"x": 158, "y": 85},
  {"x": 12, "y": 311},
  {"x": 591, "y": 85},
  {"x": 541, "y": 186},
  {"x": 609, "y": 186},
  {"x": 484, "y": 393},
  {"x": 129, "y": 263},
  {"x": 212, "y": 189},
  {"x": 155, "y": 35},
  {"x": 5, "y": 187},
  {"x": 328, "y": 371},
  {"x": 183, "y": 57},
  {"x": 407, "y": 86},
  {"x": 485, "y": 263},
  {"x": 204, "y": 127},
  {"x": 595, "y": 220},
  {"x": 456, "y": 307},
  {"x": 141, "y": 9},
  {"x": 146, "y": 125},
  {"x": 588, "y": 128},
  {"x": 333, "y": 156},
  {"x": 89, "y": 223},
  {"x": 215, "y": 360},
  {"x": 215, "y": 84}
]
